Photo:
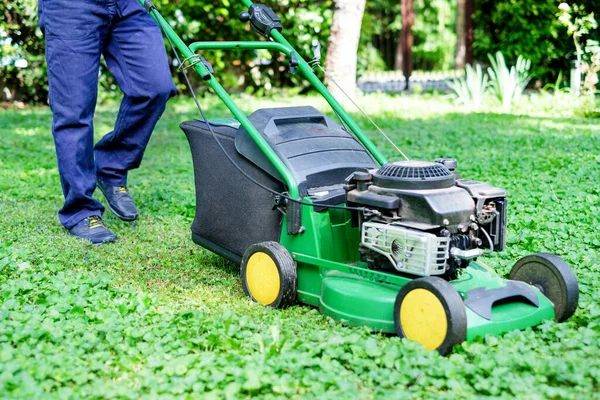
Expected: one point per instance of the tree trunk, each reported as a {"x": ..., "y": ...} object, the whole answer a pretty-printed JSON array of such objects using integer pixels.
[
  {"x": 406, "y": 38},
  {"x": 343, "y": 45},
  {"x": 398, "y": 56},
  {"x": 461, "y": 37},
  {"x": 469, "y": 9}
]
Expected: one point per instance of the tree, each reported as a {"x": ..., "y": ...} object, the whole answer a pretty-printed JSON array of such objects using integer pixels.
[
  {"x": 407, "y": 38},
  {"x": 459, "y": 58},
  {"x": 343, "y": 45},
  {"x": 469, "y": 10},
  {"x": 464, "y": 33}
]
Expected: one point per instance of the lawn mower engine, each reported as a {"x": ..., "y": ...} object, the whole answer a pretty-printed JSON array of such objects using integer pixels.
[{"x": 422, "y": 219}]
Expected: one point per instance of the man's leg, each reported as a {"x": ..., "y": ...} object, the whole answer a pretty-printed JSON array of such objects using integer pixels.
[
  {"x": 136, "y": 56},
  {"x": 73, "y": 31}
]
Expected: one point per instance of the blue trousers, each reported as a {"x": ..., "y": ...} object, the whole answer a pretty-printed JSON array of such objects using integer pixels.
[{"x": 77, "y": 34}]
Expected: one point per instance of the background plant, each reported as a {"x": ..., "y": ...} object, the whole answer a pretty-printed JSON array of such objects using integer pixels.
[
  {"x": 194, "y": 20},
  {"x": 508, "y": 84},
  {"x": 470, "y": 89}
]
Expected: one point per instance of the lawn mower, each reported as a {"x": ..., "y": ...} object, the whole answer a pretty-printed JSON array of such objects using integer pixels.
[{"x": 313, "y": 213}]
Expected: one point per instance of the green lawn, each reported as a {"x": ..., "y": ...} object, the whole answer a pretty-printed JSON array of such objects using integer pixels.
[{"x": 155, "y": 315}]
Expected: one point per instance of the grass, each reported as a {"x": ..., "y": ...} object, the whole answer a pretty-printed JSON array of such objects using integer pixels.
[{"x": 156, "y": 316}]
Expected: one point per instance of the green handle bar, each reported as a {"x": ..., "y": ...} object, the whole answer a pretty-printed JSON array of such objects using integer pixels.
[{"x": 281, "y": 45}]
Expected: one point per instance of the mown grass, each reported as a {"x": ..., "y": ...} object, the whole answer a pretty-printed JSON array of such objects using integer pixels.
[{"x": 156, "y": 316}]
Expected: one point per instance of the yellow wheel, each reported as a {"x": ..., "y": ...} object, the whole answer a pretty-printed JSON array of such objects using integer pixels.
[
  {"x": 269, "y": 275},
  {"x": 431, "y": 312}
]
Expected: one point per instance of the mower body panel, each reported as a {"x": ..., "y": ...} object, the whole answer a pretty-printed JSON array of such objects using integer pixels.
[
  {"x": 317, "y": 151},
  {"x": 357, "y": 301},
  {"x": 364, "y": 298}
]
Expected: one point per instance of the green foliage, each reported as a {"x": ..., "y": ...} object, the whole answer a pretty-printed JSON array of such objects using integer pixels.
[
  {"x": 528, "y": 28},
  {"x": 508, "y": 84},
  {"x": 369, "y": 59},
  {"x": 202, "y": 20},
  {"x": 434, "y": 32},
  {"x": 578, "y": 23},
  {"x": 156, "y": 316},
  {"x": 194, "y": 20},
  {"x": 21, "y": 42},
  {"x": 471, "y": 87}
]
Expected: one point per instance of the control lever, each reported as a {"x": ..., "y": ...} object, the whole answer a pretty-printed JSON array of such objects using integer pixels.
[
  {"x": 293, "y": 62},
  {"x": 316, "y": 48}
]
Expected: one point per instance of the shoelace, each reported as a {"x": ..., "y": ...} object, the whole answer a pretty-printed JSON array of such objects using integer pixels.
[
  {"x": 95, "y": 222},
  {"x": 123, "y": 189}
]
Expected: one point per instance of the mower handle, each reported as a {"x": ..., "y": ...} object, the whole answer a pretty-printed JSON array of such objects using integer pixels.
[{"x": 281, "y": 44}]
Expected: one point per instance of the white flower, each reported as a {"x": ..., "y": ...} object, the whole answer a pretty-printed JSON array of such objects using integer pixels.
[{"x": 564, "y": 7}]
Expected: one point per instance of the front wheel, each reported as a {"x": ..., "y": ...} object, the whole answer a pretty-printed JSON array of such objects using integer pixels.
[
  {"x": 431, "y": 312},
  {"x": 553, "y": 277},
  {"x": 269, "y": 275}
]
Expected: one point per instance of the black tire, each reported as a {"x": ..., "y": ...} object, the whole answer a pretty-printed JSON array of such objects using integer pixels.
[
  {"x": 265, "y": 290},
  {"x": 553, "y": 277},
  {"x": 452, "y": 310}
]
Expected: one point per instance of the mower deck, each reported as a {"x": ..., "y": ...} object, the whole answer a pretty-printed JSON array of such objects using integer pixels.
[{"x": 366, "y": 298}]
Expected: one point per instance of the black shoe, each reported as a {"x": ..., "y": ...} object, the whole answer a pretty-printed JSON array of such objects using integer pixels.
[
  {"x": 119, "y": 200},
  {"x": 92, "y": 229}
]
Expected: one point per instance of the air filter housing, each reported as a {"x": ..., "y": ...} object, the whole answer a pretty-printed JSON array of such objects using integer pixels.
[{"x": 414, "y": 175}]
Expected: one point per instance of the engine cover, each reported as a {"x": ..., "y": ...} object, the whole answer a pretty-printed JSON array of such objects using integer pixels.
[
  {"x": 431, "y": 209},
  {"x": 415, "y": 175},
  {"x": 421, "y": 218}
]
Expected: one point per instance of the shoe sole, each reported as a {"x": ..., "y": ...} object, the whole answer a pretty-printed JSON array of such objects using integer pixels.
[
  {"x": 122, "y": 218},
  {"x": 117, "y": 214},
  {"x": 103, "y": 242},
  {"x": 92, "y": 243}
]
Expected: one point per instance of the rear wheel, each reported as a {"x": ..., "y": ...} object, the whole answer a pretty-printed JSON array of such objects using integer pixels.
[
  {"x": 269, "y": 275},
  {"x": 431, "y": 312},
  {"x": 553, "y": 277}
]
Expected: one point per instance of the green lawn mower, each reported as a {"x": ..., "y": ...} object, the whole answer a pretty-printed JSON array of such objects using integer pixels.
[{"x": 313, "y": 212}]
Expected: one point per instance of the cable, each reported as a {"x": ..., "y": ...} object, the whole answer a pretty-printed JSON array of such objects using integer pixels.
[
  {"x": 489, "y": 239},
  {"x": 152, "y": 9},
  {"x": 316, "y": 63}
]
